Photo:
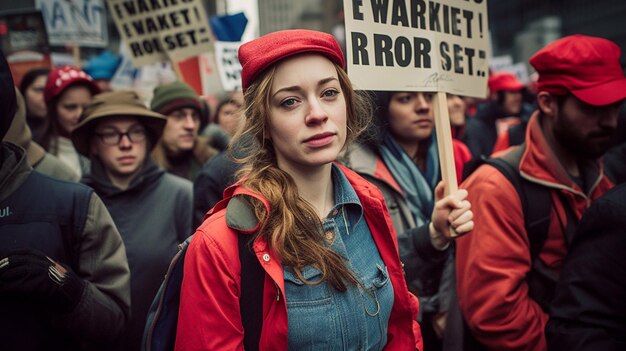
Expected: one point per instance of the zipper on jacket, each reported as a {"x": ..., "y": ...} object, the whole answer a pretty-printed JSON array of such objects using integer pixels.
[{"x": 277, "y": 292}]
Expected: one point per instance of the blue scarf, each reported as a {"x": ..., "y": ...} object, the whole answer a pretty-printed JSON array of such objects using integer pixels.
[{"x": 418, "y": 186}]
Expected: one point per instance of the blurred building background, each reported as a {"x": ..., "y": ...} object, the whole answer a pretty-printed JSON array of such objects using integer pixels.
[{"x": 521, "y": 27}]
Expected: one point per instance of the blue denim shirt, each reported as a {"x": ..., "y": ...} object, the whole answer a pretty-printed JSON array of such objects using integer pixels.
[{"x": 322, "y": 318}]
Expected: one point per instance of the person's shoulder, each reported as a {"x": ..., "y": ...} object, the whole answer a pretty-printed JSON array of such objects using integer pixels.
[
  {"x": 361, "y": 186},
  {"x": 485, "y": 177},
  {"x": 56, "y": 184},
  {"x": 360, "y": 158},
  {"x": 176, "y": 181},
  {"x": 52, "y": 166},
  {"x": 216, "y": 235}
]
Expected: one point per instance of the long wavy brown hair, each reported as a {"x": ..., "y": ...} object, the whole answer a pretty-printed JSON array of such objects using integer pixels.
[{"x": 292, "y": 228}]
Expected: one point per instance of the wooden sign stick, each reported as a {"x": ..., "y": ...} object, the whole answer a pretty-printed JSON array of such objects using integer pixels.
[
  {"x": 176, "y": 67},
  {"x": 444, "y": 144},
  {"x": 76, "y": 54}
]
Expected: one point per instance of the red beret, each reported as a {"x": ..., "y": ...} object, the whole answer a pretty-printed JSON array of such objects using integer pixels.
[
  {"x": 62, "y": 77},
  {"x": 504, "y": 81},
  {"x": 259, "y": 54},
  {"x": 588, "y": 67}
]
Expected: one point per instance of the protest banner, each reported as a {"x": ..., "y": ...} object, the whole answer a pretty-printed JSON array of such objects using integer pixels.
[
  {"x": 417, "y": 45},
  {"x": 75, "y": 22},
  {"x": 24, "y": 42},
  {"x": 159, "y": 30},
  {"x": 228, "y": 64}
]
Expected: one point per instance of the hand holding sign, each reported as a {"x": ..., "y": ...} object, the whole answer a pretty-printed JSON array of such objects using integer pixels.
[{"x": 418, "y": 45}]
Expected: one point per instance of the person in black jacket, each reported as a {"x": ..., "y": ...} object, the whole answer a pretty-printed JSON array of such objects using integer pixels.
[
  {"x": 64, "y": 279},
  {"x": 589, "y": 308}
]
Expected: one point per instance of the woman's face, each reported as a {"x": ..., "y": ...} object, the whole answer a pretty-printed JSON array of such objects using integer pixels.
[
  {"x": 229, "y": 117},
  {"x": 411, "y": 116},
  {"x": 456, "y": 110},
  {"x": 35, "y": 104},
  {"x": 307, "y": 113},
  {"x": 71, "y": 105}
]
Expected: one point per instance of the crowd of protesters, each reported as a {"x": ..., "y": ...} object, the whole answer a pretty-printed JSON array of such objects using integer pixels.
[{"x": 341, "y": 193}]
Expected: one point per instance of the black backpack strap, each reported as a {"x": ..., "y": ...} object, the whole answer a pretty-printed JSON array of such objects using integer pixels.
[
  {"x": 536, "y": 200},
  {"x": 251, "y": 299},
  {"x": 536, "y": 206},
  {"x": 241, "y": 213}
]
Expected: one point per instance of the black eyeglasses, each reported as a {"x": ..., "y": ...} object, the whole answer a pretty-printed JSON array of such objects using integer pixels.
[{"x": 113, "y": 137}]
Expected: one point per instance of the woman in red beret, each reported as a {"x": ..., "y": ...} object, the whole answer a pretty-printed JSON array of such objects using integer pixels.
[
  {"x": 322, "y": 243},
  {"x": 68, "y": 90}
]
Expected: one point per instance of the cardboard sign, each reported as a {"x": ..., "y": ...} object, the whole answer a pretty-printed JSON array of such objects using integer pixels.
[
  {"x": 157, "y": 31},
  {"x": 24, "y": 42},
  {"x": 228, "y": 64},
  {"x": 500, "y": 63},
  {"x": 418, "y": 45},
  {"x": 79, "y": 22}
]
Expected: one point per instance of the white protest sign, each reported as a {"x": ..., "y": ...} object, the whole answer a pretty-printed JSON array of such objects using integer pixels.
[
  {"x": 157, "y": 31},
  {"x": 79, "y": 22},
  {"x": 228, "y": 64},
  {"x": 499, "y": 63},
  {"x": 418, "y": 45}
]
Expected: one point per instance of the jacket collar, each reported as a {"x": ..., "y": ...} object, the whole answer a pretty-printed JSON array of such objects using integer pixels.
[
  {"x": 99, "y": 180},
  {"x": 540, "y": 165}
]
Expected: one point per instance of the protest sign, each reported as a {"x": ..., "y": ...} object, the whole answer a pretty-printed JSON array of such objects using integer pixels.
[
  {"x": 500, "y": 63},
  {"x": 228, "y": 64},
  {"x": 24, "y": 42},
  {"x": 162, "y": 30},
  {"x": 77, "y": 22},
  {"x": 418, "y": 45}
]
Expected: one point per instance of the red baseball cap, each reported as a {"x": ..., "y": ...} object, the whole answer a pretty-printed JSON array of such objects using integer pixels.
[
  {"x": 504, "y": 81},
  {"x": 258, "y": 54},
  {"x": 62, "y": 77},
  {"x": 588, "y": 67}
]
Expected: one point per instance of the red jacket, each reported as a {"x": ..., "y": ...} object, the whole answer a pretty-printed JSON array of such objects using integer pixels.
[
  {"x": 209, "y": 314},
  {"x": 493, "y": 261},
  {"x": 462, "y": 155}
]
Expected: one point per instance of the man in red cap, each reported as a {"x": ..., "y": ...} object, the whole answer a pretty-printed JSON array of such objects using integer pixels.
[
  {"x": 505, "y": 103},
  {"x": 505, "y": 276}
]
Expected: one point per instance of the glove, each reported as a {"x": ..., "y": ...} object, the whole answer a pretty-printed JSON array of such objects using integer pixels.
[{"x": 29, "y": 272}]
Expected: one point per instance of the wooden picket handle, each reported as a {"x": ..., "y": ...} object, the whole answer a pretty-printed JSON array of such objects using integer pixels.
[
  {"x": 76, "y": 54},
  {"x": 176, "y": 67},
  {"x": 444, "y": 144}
]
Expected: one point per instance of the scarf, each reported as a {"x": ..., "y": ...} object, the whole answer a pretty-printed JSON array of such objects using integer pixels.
[{"x": 418, "y": 186}]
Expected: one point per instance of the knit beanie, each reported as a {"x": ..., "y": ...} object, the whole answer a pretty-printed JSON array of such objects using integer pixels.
[{"x": 174, "y": 96}]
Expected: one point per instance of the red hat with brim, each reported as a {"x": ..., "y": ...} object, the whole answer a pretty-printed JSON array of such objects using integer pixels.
[
  {"x": 587, "y": 67},
  {"x": 259, "y": 54}
]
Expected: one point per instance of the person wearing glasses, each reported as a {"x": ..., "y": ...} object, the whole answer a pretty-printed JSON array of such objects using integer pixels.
[{"x": 151, "y": 208}]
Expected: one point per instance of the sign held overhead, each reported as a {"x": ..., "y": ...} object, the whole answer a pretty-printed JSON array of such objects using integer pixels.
[
  {"x": 418, "y": 45},
  {"x": 80, "y": 22},
  {"x": 162, "y": 30}
]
